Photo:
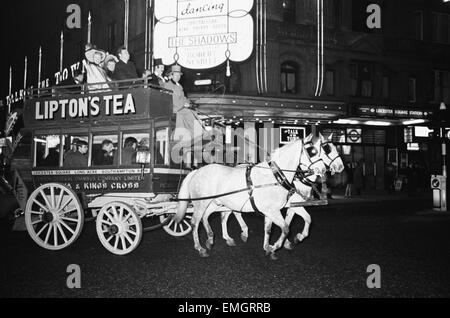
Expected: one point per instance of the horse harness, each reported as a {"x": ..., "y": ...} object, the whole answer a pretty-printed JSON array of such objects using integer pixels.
[{"x": 279, "y": 176}]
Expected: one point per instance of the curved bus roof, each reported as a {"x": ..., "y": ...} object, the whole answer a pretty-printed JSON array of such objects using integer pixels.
[{"x": 109, "y": 103}]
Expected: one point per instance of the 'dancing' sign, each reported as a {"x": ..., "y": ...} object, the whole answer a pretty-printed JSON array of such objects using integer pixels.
[{"x": 202, "y": 34}]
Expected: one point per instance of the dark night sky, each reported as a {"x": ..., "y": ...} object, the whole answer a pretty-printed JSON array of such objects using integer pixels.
[{"x": 25, "y": 25}]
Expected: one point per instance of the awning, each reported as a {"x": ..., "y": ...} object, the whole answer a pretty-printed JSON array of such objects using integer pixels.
[{"x": 257, "y": 108}]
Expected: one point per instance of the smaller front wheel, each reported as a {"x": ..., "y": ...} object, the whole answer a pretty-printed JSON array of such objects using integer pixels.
[
  {"x": 175, "y": 229},
  {"x": 119, "y": 228}
]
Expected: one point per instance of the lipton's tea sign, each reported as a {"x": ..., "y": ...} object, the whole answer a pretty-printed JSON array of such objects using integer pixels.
[{"x": 202, "y": 34}]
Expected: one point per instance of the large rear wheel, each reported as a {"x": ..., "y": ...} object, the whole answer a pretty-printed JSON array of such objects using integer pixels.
[{"x": 53, "y": 216}]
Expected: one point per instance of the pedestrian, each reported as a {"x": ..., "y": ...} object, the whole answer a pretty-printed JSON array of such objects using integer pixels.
[
  {"x": 349, "y": 183},
  {"x": 358, "y": 175},
  {"x": 389, "y": 178}
]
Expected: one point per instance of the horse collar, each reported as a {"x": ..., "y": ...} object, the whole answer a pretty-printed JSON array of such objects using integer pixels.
[{"x": 281, "y": 178}]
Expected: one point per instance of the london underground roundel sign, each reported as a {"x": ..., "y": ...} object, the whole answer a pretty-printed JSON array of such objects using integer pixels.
[{"x": 202, "y": 34}]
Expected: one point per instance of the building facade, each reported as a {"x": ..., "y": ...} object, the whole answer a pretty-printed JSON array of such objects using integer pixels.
[{"x": 367, "y": 71}]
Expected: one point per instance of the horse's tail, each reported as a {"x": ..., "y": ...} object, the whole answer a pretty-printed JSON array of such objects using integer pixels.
[{"x": 183, "y": 195}]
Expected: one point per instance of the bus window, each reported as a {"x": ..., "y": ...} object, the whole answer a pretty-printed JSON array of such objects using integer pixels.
[
  {"x": 47, "y": 151},
  {"x": 132, "y": 143},
  {"x": 104, "y": 150},
  {"x": 161, "y": 147},
  {"x": 76, "y": 151}
]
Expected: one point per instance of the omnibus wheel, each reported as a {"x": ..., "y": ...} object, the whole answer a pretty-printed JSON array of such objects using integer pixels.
[
  {"x": 119, "y": 228},
  {"x": 53, "y": 216},
  {"x": 174, "y": 229}
]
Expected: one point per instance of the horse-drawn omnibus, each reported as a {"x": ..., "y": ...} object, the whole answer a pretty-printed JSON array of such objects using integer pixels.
[{"x": 134, "y": 187}]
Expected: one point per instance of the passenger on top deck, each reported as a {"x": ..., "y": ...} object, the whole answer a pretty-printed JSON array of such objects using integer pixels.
[
  {"x": 157, "y": 78},
  {"x": 125, "y": 69},
  {"x": 95, "y": 73},
  {"x": 79, "y": 158}
]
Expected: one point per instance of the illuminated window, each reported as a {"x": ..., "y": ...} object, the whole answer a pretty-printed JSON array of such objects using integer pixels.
[
  {"x": 76, "y": 151},
  {"x": 47, "y": 151},
  {"x": 162, "y": 147},
  {"x": 104, "y": 150},
  {"x": 132, "y": 143},
  {"x": 289, "y": 75},
  {"x": 288, "y": 11}
]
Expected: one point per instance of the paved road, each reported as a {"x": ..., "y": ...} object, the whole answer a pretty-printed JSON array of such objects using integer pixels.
[{"x": 410, "y": 246}]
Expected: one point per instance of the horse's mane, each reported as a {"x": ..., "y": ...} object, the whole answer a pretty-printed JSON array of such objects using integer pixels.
[{"x": 276, "y": 153}]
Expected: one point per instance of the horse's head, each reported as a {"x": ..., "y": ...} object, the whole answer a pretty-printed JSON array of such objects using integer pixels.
[
  {"x": 310, "y": 158},
  {"x": 330, "y": 155}
]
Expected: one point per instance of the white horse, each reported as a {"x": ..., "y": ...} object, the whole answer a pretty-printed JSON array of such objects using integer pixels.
[
  {"x": 332, "y": 160},
  {"x": 264, "y": 194}
]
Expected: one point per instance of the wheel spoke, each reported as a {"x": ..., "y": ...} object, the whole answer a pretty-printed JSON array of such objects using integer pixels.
[
  {"x": 116, "y": 242},
  {"x": 69, "y": 219},
  {"x": 106, "y": 222},
  {"x": 170, "y": 223},
  {"x": 42, "y": 229},
  {"x": 128, "y": 238},
  {"x": 45, "y": 198},
  {"x": 68, "y": 211},
  {"x": 36, "y": 212},
  {"x": 55, "y": 235},
  {"x": 109, "y": 239},
  {"x": 113, "y": 208},
  {"x": 61, "y": 195},
  {"x": 67, "y": 227},
  {"x": 52, "y": 197},
  {"x": 110, "y": 217},
  {"x": 128, "y": 217},
  {"x": 120, "y": 213},
  {"x": 122, "y": 239},
  {"x": 131, "y": 232},
  {"x": 62, "y": 232},
  {"x": 36, "y": 222},
  {"x": 64, "y": 205},
  {"x": 48, "y": 233},
  {"x": 40, "y": 204}
]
